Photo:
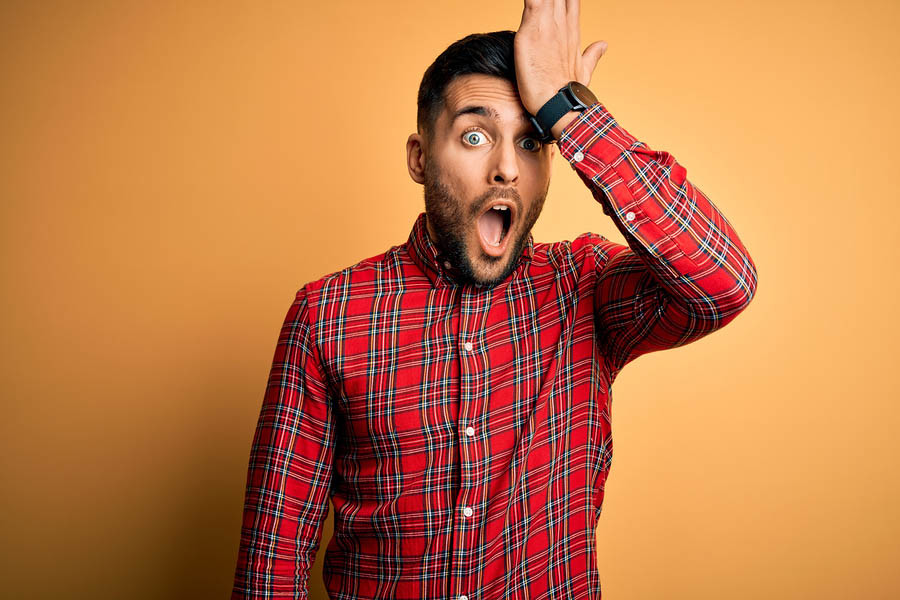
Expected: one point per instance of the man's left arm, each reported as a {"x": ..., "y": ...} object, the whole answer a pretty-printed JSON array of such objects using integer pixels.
[{"x": 685, "y": 273}]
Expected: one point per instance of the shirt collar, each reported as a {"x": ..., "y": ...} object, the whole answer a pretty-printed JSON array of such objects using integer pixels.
[{"x": 434, "y": 264}]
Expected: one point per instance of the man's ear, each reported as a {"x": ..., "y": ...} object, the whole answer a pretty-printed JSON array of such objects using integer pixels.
[{"x": 415, "y": 157}]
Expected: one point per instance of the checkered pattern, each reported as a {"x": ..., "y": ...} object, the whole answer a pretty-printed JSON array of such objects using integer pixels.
[{"x": 462, "y": 432}]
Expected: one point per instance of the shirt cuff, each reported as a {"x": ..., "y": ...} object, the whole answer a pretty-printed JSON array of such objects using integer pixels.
[
  {"x": 594, "y": 143},
  {"x": 596, "y": 130}
]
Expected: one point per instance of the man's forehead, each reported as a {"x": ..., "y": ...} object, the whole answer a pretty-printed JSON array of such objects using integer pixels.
[{"x": 483, "y": 95}]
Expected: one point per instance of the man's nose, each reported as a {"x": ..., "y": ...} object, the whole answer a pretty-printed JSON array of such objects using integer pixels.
[{"x": 505, "y": 165}]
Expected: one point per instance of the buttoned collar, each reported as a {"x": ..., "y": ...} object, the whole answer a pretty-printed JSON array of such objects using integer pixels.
[{"x": 435, "y": 265}]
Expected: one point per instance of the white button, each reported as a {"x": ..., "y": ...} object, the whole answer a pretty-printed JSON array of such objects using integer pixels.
[
  {"x": 470, "y": 431},
  {"x": 468, "y": 511},
  {"x": 468, "y": 346},
  {"x": 447, "y": 263},
  {"x": 463, "y": 597},
  {"x": 578, "y": 157},
  {"x": 629, "y": 216}
]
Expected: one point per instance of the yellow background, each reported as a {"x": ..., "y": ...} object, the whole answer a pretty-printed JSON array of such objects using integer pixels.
[{"x": 171, "y": 174}]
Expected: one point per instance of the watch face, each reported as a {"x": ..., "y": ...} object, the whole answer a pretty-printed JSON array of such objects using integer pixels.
[{"x": 584, "y": 95}]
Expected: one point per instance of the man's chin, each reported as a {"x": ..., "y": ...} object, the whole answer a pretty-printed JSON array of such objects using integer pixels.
[{"x": 492, "y": 269}]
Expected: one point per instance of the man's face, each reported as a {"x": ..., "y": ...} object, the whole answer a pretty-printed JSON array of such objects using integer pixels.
[{"x": 484, "y": 154}]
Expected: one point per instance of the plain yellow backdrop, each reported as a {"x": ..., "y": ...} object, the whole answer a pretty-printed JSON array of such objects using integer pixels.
[{"x": 172, "y": 173}]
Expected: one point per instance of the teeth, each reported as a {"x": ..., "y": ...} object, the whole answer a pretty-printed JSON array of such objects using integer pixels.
[{"x": 500, "y": 207}]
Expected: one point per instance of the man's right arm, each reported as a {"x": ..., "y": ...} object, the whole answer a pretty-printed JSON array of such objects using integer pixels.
[{"x": 289, "y": 476}]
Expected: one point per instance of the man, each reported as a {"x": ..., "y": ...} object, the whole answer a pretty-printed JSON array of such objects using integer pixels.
[{"x": 451, "y": 396}]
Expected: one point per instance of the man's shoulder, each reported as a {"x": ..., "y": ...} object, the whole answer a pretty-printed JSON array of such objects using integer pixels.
[{"x": 368, "y": 270}]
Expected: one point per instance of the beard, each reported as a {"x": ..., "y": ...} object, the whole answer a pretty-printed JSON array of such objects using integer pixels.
[{"x": 453, "y": 225}]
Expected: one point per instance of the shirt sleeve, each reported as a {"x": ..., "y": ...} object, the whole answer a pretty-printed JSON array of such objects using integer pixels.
[
  {"x": 684, "y": 273},
  {"x": 290, "y": 469}
]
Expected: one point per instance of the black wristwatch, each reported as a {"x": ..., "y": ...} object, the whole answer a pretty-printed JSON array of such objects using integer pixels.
[{"x": 572, "y": 96}]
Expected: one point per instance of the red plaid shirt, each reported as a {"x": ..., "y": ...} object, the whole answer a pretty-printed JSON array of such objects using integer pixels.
[{"x": 462, "y": 433}]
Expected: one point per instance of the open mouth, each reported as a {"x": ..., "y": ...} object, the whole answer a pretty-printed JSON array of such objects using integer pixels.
[{"x": 493, "y": 226}]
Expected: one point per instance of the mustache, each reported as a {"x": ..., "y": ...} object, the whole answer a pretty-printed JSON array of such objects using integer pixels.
[{"x": 487, "y": 197}]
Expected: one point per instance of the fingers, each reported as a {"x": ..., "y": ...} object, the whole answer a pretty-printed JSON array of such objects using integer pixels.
[
  {"x": 538, "y": 11},
  {"x": 590, "y": 58},
  {"x": 573, "y": 14},
  {"x": 559, "y": 10},
  {"x": 573, "y": 9},
  {"x": 564, "y": 12},
  {"x": 537, "y": 5},
  {"x": 556, "y": 9}
]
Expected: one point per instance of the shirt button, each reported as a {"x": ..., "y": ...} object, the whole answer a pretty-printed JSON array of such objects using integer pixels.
[
  {"x": 468, "y": 511},
  {"x": 578, "y": 157},
  {"x": 463, "y": 597},
  {"x": 470, "y": 431},
  {"x": 629, "y": 216},
  {"x": 468, "y": 346},
  {"x": 447, "y": 263}
]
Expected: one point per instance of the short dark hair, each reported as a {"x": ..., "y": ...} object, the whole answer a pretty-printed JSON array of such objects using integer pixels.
[{"x": 478, "y": 53}]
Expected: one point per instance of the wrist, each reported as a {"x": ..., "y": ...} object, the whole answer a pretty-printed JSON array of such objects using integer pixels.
[
  {"x": 559, "y": 111},
  {"x": 541, "y": 98},
  {"x": 558, "y": 127}
]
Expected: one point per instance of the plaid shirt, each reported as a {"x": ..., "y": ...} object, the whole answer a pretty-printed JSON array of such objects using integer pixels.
[{"x": 462, "y": 432}]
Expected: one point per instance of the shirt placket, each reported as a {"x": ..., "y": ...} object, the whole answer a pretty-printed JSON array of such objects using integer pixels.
[{"x": 467, "y": 514}]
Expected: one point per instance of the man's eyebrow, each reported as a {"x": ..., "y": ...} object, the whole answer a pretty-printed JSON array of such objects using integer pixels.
[{"x": 482, "y": 111}]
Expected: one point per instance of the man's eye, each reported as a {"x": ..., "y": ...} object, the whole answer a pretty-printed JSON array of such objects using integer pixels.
[
  {"x": 531, "y": 144},
  {"x": 473, "y": 137}
]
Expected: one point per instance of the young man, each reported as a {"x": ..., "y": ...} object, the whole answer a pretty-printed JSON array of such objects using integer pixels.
[{"x": 451, "y": 396}]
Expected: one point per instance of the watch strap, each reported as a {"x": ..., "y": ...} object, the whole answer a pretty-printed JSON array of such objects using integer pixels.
[{"x": 552, "y": 111}]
